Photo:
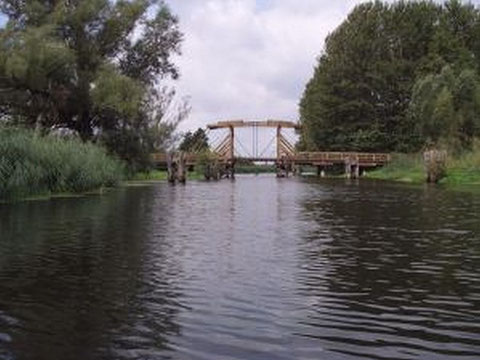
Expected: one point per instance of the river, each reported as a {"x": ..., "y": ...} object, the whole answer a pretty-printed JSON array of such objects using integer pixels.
[{"x": 259, "y": 268}]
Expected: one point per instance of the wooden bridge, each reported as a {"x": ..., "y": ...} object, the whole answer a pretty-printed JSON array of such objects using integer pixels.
[{"x": 287, "y": 160}]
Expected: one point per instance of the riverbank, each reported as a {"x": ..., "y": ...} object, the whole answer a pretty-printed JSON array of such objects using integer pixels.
[
  {"x": 461, "y": 170},
  {"x": 161, "y": 175},
  {"x": 34, "y": 166}
]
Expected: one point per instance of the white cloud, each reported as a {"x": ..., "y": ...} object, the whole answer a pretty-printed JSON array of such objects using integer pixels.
[{"x": 251, "y": 59}]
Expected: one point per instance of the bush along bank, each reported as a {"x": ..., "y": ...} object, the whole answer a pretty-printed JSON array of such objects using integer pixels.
[
  {"x": 462, "y": 169},
  {"x": 34, "y": 165}
]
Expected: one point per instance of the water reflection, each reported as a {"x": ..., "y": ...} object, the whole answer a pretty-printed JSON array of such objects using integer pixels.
[
  {"x": 260, "y": 268},
  {"x": 78, "y": 276},
  {"x": 393, "y": 274}
]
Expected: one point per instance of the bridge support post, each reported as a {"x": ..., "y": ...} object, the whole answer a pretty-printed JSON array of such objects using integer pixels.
[
  {"x": 176, "y": 168},
  {"x": 281, "y": 171},
  {"x": 352, "y": 168},
  {"x": 171, "y": 168},
  {"x": 182, "y": 168},
  {"x": 284, "y": 167},
  {"x": 321, "y": 171},
  {"x": 348, "y": 169},
  {"x": 231, "y": 169}
]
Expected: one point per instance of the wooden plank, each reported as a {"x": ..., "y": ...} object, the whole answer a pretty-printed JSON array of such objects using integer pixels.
[
  {"x": 243, "y": 123},
  {"x": 304, "y": 158}
]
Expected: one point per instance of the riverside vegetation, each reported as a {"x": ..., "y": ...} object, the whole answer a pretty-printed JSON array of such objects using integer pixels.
[
  {"x": 461, "y": 169},
  {"x": 92, "y": 68},
  {"x": 393, "y": 77},
  {"x": 42, "y": 165},
  {"x": 400, "y": 77}
]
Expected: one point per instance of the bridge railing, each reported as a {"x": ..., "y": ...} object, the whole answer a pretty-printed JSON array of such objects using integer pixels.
[
  {"x": 371, "y": 159},
  {"x": 162, "y": 158},
  {"x": 313, "y": 158}
]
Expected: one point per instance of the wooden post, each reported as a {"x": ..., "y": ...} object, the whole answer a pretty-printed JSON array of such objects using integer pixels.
[
  {"x": 171, "y": 168},
  {"x": 207, "y": 171},
  {"x": 215, "y": 170},
  {"x": 232, "y": 169},
  {"x": 356, "y": 171},
  {"x": 348, "y": 169},
  {"x": 181, "y": 171},
  {"x": 297, "y": 170},
  {"x": 352, "y": 167},
  {"x": 435, "y": 164},
  {"x": 280, "y": 167}
]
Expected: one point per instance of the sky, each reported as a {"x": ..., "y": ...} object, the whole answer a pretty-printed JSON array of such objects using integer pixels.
[{"x": 250, "y": 59}]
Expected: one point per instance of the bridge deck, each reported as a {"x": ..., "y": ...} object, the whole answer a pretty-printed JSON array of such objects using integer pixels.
[{"x": 302, "y": 158}]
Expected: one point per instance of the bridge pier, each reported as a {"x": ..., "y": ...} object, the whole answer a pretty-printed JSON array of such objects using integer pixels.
[
  {"x": 284, "y": 168},
  {"x": 352, "y": 168},
  {"x": 321, "y": 171},
  {"x": 176, "y": 168},
  {"x": 230, "y": 169}
]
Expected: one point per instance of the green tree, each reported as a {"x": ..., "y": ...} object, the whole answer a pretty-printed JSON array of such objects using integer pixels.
[
  {"x": 95, "y": 66},
  {"x": 360, "y": 94},
  {"x": 195, "y": 142},
  {"x": 445, "y": 108}
]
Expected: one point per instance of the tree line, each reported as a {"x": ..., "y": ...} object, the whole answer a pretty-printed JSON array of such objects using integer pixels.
[
  {"x": 95, "y": 67},
  {"x": 396, "y": 77}
]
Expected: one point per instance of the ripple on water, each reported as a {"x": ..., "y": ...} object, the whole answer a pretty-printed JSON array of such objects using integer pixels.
[{"x": 258, "y": 268}]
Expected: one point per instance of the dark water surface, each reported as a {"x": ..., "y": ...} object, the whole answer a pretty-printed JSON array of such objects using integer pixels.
[{"x": 254, "y": 269}]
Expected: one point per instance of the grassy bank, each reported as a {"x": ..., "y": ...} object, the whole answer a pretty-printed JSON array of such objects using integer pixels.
[
  {"x": 160, "y": 175},
  {"x": 33, "y": 165},
  {"x": 460, "y": 170}
]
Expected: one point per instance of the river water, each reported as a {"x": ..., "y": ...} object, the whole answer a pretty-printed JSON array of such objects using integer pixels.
[{"x": 258, "y": 268}]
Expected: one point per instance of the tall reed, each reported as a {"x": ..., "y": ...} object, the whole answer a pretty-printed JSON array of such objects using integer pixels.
[{"x": 34, "y": 165}]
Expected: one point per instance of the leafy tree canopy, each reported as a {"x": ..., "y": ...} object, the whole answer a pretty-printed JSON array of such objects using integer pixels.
[
  {"x": 195, "y": 142},
  {"x": 94, "y": 66},
  {"x": 379, "y": 59}
]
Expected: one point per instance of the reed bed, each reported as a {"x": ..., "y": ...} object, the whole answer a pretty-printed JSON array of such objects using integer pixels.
[{"x": 41, "y": 165}]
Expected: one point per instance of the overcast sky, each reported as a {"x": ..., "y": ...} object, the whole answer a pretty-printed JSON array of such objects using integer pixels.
[{"x": 250, "y": 59}]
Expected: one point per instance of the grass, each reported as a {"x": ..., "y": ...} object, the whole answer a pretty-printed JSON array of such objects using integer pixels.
[
  {"x": 161, "y": 175},
  {"x": 463, "y": 169},
  {"x": 33, "y": 165},
  {"x": 255, "y": 169},
  {"x": 403, "y": 167}
]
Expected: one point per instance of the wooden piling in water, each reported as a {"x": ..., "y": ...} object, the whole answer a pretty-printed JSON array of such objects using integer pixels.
[
  {"x": 435, "y": 162},
  {"x": 182, "y": 168},
  {"x": 176, "y": 168},
  {"x": 171, "y": 168},
  {"x": 352, "y": 167}
]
